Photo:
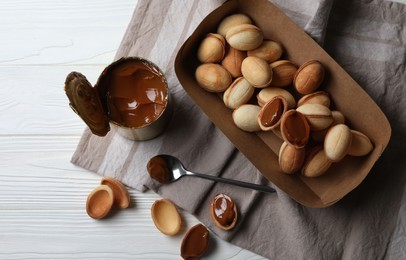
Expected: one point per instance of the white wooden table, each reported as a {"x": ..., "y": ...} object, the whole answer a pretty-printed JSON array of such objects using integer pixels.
[{"x": 42, "y": 195}]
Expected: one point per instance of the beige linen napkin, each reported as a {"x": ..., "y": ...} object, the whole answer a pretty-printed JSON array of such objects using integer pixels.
[{"x": 368, "y": 40}]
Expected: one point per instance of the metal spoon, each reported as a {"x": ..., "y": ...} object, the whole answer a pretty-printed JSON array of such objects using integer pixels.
[{"x": 175, "y": 170}]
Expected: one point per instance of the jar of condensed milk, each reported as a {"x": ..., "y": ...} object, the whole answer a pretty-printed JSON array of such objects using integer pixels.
[{"x": 131, "y": 96}]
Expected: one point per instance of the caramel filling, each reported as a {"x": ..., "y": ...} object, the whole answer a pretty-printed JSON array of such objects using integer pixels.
[
  {"x": 272, "y": 113},
  {"x": 295, "y": 129},
  {"x": 223, "y": 208},
  {"x": 195, "y": 242},
  {"x": 159, "y": 170},
  {"x": 136, "y": 94}
]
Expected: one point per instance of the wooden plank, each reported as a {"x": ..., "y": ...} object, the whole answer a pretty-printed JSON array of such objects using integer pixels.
[
  {"x": 61, "y": 32},
  {"x": 33, "y": 100}
]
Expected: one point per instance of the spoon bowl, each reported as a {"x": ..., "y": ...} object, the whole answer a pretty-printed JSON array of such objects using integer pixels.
[{"x": 167, "y": 168}]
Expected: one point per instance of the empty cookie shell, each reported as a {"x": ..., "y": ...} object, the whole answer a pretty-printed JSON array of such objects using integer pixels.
[
  {"x": 121, "y": 196},
  {"x": 99, "y": 202},
  {"x": 361, "y": 145},
  {"x": 166, "y": 217},
  {"x": 223, "y": 211}
]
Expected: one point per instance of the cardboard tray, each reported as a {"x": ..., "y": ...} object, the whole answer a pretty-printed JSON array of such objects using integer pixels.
[{"x": 261, "y": 149}]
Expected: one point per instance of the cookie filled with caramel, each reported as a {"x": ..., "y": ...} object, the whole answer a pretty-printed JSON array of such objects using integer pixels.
[
  {"x": 223, "y": 211},
  {"x": 195, "y": 242}
]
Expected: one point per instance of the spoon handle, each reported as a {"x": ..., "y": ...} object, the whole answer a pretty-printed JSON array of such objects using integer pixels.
[{"x": 233, "y": 182}]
